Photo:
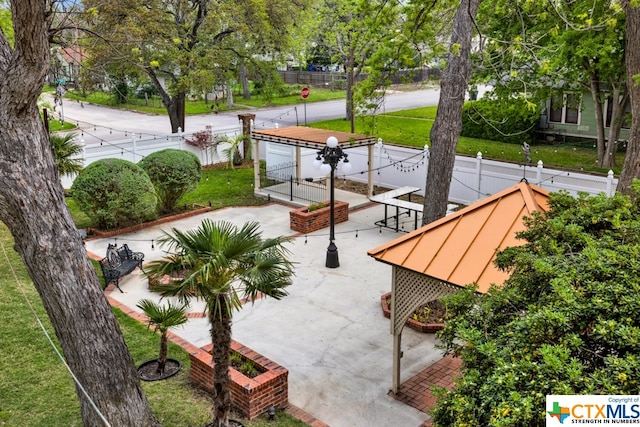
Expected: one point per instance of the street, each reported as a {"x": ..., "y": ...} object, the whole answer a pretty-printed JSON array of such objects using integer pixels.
[{"x": 99, "y": 123}]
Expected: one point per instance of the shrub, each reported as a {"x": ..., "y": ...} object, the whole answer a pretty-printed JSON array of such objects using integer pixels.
[
  {"x": 510, "y": 120},
  {"x": 173, "y": 174},
  {"x": 115, "y": 193}
]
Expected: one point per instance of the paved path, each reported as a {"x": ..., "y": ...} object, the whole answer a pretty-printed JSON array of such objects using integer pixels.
[{"x": 329, "y": 332}]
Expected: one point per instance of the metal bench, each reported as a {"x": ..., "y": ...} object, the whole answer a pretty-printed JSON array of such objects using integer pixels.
[{"x": 119, "y": 262}]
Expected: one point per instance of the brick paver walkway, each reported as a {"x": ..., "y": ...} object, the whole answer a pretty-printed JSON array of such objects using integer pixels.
[{"x": 416, "y": 391}]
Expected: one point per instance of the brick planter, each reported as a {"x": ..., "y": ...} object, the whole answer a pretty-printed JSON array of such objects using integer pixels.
[
  {"x": 307, "y": 222},
  {"x": 250, "y": 396},
  {"x": 412, "y": 323}
]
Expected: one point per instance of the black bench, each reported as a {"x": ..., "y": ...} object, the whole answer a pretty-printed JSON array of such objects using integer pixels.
[{"x": 119, "y": 262}]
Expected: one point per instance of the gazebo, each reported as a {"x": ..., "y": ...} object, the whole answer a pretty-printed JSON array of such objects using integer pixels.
[
  {"x": 445, "y": 255},
  {"x": 304, "y": 137}
]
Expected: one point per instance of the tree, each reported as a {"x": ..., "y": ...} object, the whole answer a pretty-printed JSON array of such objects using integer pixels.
[
  {"x": 448, "y": 123},
  {"x": 566, "y": 321},
  {"x": 173, "y": 174},
  {"x": 220, "y": 262},
  {"x": 353, "y": 30},
  {"x": 631, "y": 167},
  {"x": 558, "y": 51},
  {"x": 66, "y": 154},
  {"x": 185, "y": 45},
  {"x": 163, "y": 318},
  {"x": 32, "y": 206}
]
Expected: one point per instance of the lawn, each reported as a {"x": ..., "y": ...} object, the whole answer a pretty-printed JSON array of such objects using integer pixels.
[
  {"x": 412, "y": 128},
  {"x": 35, "y": 388},
  {"x": 219, "y": 187},
  {"x": 154, "y": 105}
]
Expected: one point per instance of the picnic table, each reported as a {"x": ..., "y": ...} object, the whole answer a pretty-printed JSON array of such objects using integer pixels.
[{"x": 392, "y": 198}]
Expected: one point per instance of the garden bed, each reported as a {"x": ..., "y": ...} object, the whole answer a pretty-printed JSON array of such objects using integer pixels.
[
  {"x": 428, "y": 318},
  {"x": 312, "y": 218},
  {"x": 250, "y": 396}
]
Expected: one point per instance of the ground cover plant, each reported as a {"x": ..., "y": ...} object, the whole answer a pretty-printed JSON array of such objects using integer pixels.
[{"x": 31, "y": 372}]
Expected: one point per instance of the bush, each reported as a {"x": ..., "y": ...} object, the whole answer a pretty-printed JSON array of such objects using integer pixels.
[
  {"x": 511, "y": 120},
  {"x": 173, "y": 174},
  {"x": 115, "y": 193}
]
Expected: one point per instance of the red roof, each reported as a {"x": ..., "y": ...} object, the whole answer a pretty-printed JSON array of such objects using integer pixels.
[{"x": 461, "y": 247}]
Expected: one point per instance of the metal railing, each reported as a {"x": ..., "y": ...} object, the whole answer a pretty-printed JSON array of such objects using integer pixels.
[{"x": 281, "y": 179}]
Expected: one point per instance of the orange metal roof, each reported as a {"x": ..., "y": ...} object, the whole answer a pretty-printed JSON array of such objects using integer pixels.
[
  {"x": 310, "y": 137},
  {"x": 460, "y": 248}
]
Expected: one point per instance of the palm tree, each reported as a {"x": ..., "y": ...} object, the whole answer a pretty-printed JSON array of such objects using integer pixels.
[
  {"x": 220, "y": 263},
  {"x": 66, "y": 154},
  {"x": 163, "y": 318}
]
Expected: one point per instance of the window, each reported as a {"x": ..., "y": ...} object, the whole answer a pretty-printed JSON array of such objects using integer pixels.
[
  {"x": 565, "y": 109},
  {"x": 626, "y": 116}
]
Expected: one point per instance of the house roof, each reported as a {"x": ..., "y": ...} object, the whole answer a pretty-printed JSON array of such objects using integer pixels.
[
  {"x": 460, "y": 248},
  {"x": 301, "y": 136}
]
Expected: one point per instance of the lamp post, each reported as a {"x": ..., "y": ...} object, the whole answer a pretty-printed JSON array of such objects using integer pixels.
[{"x": 327, "y": 160}]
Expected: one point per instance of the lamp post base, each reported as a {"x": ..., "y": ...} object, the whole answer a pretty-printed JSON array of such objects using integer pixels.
[{"x": 332, "y": 256}]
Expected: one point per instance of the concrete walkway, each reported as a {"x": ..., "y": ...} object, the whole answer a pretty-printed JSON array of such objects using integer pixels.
[{"x": 329, "y": 332}]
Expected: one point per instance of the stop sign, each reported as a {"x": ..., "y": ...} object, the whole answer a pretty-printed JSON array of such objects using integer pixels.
[{"x": 304, "y": 92}]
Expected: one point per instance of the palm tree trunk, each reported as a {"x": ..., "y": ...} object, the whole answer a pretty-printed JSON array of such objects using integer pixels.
[
  {"x": 162, "y": 357},
  {"x": 221, "y": 338}
]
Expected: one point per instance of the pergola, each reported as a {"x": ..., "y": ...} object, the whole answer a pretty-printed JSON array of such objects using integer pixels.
[
  {"x": 305, "y": 137},
  {"x": 441, "y": 257}
]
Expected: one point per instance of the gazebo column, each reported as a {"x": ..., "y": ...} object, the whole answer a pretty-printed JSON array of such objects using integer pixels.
[
  {"x": 298, "y": 159},
  {"x": 256, "y": 164},
  {"x": 370, "y": 170}
]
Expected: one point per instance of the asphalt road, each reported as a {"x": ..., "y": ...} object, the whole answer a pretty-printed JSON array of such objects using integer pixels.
[{"x": 109, "y": 124}]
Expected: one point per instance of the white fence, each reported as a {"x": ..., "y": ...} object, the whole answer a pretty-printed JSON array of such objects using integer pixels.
[
  {"x": 473, "y": 178},
  {"x": 393, "y": 167},
  {"x": 135, "y": 148}
]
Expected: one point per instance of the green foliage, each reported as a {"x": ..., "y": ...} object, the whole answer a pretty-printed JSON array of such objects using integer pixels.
[
  {"x": 269, "y": 85},
  {"x": 567, "y": 321},
  {"x": 173, "y": 174},
  {"x": 6, "y": 22},
  {"x": 115, "y": 193},
  {"x": 66, "y": 154},
  {"x": 511, "y": 120}
]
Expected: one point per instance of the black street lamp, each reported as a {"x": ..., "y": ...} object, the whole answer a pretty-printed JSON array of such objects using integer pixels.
[{"x": 327, "y": 160}]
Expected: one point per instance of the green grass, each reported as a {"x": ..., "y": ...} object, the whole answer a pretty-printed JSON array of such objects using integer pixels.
[
  {"x": 155, "y": 106},
  {"x": 218, "y": 187},
  {"x": 37, "y": 391},
  {"x": 412, "y": 128}
]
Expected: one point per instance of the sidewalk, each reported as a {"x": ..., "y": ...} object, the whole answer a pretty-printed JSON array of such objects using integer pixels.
[{"x": 329, "y": 332}]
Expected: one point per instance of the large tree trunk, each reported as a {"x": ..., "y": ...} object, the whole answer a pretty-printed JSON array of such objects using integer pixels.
[
  {"x": 33, "y": 208},
  {"x": 631, "y": 167},
  {"x": 351, "y": 81},
  {"x": 594, "y": 88},
  {"x": 244, "y": 81},
  {"x": 448, "y": 123},
  {"x": 221, "y": 339}
]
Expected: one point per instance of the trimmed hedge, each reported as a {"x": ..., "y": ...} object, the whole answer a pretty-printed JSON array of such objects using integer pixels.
[
  {"x": 115, "y": 193},
  {"x": 512, "y": 120},
  {"x": 173, "y": 174}
]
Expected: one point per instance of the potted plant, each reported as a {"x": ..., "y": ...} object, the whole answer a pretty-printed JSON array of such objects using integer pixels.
[{"x": 162, "y": 318}]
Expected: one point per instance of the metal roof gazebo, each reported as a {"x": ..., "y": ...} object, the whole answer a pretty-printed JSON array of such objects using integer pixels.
[{"x": 439, "y": 258}]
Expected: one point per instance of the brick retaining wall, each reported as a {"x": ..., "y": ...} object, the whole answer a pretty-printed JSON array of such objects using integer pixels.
[
  {"x": 250, "y": 396},
  {"x": 307, "y": 222}
]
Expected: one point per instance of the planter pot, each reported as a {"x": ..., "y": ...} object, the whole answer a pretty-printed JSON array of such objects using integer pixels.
[
  {"x": 303, "y": 221},
  {"x": 147, "y": 370},
  {"x": 250, "y": 397},
  {"x": 412, "y": 323}
]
